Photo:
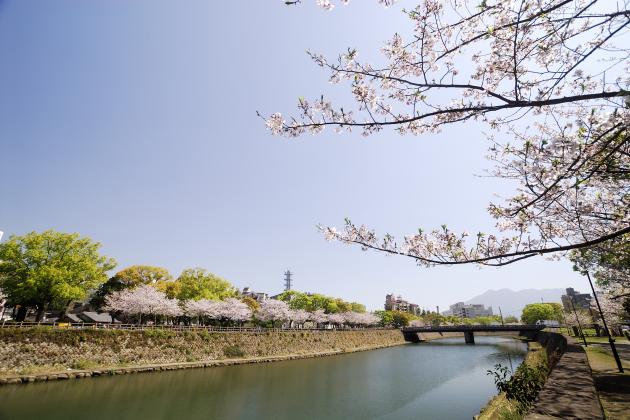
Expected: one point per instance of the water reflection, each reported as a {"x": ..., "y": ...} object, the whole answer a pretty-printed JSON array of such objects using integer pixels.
[{"x": 444, "y": 379}]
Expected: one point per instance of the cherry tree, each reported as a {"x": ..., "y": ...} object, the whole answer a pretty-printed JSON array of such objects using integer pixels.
[
  {"x": 169, "y": 308},
  {"x": 337, "y": 319},
  {"x": 612, "y": 308},
  {"x": 578, "y": 318},
  {"x": 273, "y": 311},
  {"x": 299, "y": 316},
  {"x": 550, "y": 81},
  {"x": 319, "y": 317},
  {"x": 235, "y": 310},
  {"x": 142, "y": 300},
  {"x": 200, "y": 309},
  {"x": 368, "y": 319},
  {"x": 360, "y": 319}
]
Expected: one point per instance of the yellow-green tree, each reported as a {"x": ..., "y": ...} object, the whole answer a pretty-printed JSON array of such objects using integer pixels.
[
  {"x": 50, "y": 269},
  {"x": 197, "y": 283},
  {"x": 541, "y": 311},
  {"x": 129, "y": 278}
]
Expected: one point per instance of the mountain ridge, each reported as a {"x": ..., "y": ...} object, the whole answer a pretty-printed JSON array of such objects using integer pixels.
[{"x": 512, "y": 302}]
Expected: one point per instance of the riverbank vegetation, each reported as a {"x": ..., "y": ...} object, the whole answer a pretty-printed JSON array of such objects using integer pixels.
[{"x": 517, "y": 392}]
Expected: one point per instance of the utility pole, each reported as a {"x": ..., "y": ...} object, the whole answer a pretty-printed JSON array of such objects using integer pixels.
[
  {"x": 578, "y": 321},
  {"x": 502, "y": 323},
  {"x": 287, "y": 280},
  {"x": 610, "y": 339}
]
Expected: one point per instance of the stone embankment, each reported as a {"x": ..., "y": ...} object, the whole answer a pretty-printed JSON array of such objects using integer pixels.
[{"x": 44, "y": 353}]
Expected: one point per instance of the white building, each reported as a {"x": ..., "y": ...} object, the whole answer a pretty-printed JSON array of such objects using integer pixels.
[{"x": 463, "y": 310}]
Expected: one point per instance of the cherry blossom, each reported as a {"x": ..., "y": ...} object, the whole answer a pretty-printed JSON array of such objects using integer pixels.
[
  {"x": 612, "y": 308},
  {"x": 273, "y": 311},
  {"x": 549, "y": 80},
  {"x": 337, "y": 319},
  {"x": 299, "y": 316},
  {"x": 578, "y": 318},
  {"x": 319, "y": 317},
  {"x": 142, "y": 300},
  {"x": 235, "y": 310}
]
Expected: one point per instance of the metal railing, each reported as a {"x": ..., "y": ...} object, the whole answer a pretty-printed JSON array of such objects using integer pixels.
[
  {"x": 169, "y": 327},
  {"x": 474, "y": 327}
]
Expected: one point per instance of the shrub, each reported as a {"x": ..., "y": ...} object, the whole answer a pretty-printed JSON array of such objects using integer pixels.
[
  {"x": 83, "y": 364},
  {"x": 233, "y": 351},
  {"x": 523, "y": 386},
  {"x": 157, "y": 333},
  {"x": 205, "y": 335}
]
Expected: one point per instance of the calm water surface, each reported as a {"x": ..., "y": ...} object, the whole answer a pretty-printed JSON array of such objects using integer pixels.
[{"x": 444, "y": 379}]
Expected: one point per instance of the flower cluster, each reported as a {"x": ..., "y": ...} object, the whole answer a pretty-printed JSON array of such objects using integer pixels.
[
  {"x": 146, "y": 300},
  {"x": 552, "y": 77},
  {"x": 142, "y": 300}
]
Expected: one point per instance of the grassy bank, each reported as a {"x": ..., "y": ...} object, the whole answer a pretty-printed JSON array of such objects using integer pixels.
[{"x": 502, "y": 408}]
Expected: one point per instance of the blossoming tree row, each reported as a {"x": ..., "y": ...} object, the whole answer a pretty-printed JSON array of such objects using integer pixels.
[{"x": 146, "y": 301}]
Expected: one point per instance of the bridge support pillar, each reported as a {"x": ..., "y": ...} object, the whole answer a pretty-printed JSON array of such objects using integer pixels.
[
  {"x": 412, "y": 337},
  {"x": 469, "y": 337}
]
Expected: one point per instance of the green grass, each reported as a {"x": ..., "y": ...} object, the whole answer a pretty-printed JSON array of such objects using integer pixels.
[
  {"x": 604, "y": 340},
  {"x": 233, "y": 352}
]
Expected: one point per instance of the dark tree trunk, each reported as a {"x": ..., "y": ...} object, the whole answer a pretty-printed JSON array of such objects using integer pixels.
[
  {"x": 21, "y": 313},
  {"x": 41, "y": 311}
]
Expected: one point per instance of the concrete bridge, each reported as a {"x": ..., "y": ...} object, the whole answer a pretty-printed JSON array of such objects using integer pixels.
[{"x": 411, "y": 333}]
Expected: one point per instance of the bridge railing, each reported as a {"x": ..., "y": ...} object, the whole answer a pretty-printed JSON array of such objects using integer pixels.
[{"x": 474, "y": 327}]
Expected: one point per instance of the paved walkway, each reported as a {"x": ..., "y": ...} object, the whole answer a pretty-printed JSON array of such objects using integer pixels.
[{"x": 569, "y": 392}]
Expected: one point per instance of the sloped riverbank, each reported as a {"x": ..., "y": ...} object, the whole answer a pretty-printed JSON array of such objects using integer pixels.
[{"x": 44, "y": 353}]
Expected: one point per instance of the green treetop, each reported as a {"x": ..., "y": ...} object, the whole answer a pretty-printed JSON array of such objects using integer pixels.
[
  {"x": 541, "y": 311},
  {"x": 50, "y": 269},
  {"x": 314, "y": 302},
  {"x": 131, "y": 277},
  {"x": 197, "y": 283}
]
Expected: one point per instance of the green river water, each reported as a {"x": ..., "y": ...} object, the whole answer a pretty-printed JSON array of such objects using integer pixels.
[{"x": 443, "y": 379}]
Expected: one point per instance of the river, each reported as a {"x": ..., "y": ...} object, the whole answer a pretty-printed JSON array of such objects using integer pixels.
[{"x": 442, "y": 379}]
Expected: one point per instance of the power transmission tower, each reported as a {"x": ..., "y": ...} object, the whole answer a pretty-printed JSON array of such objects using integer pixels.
[{"x": 287, "y": 280}]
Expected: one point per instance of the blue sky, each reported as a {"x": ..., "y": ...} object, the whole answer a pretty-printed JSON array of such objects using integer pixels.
[{"x": 135, "y": 123}]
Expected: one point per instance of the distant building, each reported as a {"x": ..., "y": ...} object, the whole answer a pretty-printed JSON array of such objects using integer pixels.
[
  {"x": 580, "y": 300},
  {"x": 89, "y": 317},
  {"x": 463, "y": 310},
  {"x": 257, "y": 296},
  {"x": 397, "y": 303}
]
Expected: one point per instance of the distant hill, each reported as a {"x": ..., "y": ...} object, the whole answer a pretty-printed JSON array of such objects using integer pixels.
[{"x": 512, "y": 302}]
